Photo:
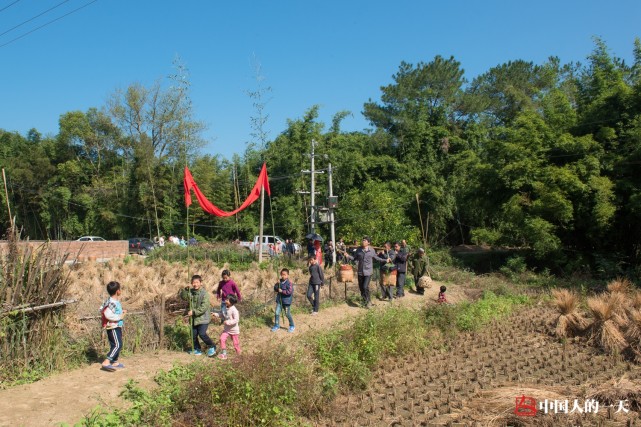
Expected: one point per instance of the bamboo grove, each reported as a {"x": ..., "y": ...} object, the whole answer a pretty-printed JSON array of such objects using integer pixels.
[{"x": 545, "y": 157}]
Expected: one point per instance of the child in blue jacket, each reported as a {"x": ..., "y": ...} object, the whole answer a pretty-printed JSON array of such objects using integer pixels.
[{"x": 284, "y": 296}]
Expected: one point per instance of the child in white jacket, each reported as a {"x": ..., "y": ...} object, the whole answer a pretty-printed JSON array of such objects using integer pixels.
[{"x": 231, "y": 327}]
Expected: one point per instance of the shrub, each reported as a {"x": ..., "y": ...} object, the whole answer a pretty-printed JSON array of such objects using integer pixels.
[{"x": 348, "y": 356}]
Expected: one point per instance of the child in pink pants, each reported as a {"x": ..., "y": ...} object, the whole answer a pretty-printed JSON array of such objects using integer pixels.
[{"x": 231, "y": 327}]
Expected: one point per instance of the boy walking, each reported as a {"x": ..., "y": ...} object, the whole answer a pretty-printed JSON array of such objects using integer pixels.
[
  {"x": 316, "y": 280},
  {"x": 284, "y": 297},
  {"x": 112, "y": 320},
  {"x": 199, "y": 313}
]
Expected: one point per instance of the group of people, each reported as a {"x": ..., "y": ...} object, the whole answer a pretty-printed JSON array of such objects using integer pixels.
[
  {"x": 397, "y": 257},
  {"x": 286, "y": 248},
  {"x": 180, "y": 241},
  {"x": 199, "y": 314}
]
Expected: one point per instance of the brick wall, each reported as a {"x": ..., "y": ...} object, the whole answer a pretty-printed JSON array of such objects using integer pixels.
[{"x": 83, "y": 251}]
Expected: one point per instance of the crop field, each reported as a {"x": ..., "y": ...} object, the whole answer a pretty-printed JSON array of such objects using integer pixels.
[{"x": 476, "y": 379}]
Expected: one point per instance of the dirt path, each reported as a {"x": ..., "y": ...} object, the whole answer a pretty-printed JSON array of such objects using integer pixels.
[{"x": 68, "y": 397}]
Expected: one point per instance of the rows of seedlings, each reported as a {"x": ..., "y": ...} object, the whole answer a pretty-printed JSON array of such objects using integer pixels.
[{"x": 475, "y": 380}]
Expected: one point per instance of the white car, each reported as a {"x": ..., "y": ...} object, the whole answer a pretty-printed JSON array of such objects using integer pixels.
[{"x": 91, "y": 239}]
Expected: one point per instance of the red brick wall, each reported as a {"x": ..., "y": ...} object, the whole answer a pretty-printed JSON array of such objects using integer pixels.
[{"x": 83, "y": 251}]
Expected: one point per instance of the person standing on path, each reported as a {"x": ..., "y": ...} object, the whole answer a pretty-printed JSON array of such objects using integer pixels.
[
  {"x": 419, "y": 268},
  {"x": 226, "y": 287},
  {"x": 284, "y": 296},
  {"x": 329, "y": 251},
  {"x": 340, "y": 249},
  {"x": 112, "y": 321},
  {"x": 199, "y": 313},
  {"x": 400, "y": 260},
  {"x": 389, "y": 254},
  {"x": 316, "y": 280},
  {"x": 365, "y": 256},
  {"x": 230, "y": 328}
]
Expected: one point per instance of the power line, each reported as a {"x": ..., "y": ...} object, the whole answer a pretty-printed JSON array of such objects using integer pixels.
[
  {"x": 47, "y": 23},
  {"x": 33, "y": 17},
  {"x": 9, "y": 5}
]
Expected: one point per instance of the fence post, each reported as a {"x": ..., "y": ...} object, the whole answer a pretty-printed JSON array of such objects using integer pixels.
[{"x": 162, "y": 321}]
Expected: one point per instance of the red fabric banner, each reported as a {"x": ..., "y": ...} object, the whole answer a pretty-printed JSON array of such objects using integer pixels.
[{"x": 208, "y": 207}]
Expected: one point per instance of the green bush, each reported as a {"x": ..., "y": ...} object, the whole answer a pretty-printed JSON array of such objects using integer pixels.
[
  {"x": 347, "y": 357},
  {"x": 491, "y": 306},
  {"x": 272, "y": 388}
]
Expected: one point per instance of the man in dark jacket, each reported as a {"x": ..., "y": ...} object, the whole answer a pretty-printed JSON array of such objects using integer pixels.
[
  {"x": 400, "y": 260},
  {"x": 316, "y": 280},
  {"x": 365, "y": 257}
]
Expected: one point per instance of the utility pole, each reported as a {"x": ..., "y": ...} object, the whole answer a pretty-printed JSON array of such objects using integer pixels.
[
  {"x": 331, "y": 215},
  {"x": 313, "y": 189},
  {"x": 312, "y": 209},
  {"x": 262, "y": 216}
]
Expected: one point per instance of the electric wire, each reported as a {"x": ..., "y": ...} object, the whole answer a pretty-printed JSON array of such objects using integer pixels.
[
  {"x": 9, "y": 5},
  {"x": 47, "y": 23},
  {"x": 34, "y": 17}
]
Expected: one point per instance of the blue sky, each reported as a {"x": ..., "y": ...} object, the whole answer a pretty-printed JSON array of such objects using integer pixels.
[{"x": 335, "y": 54}]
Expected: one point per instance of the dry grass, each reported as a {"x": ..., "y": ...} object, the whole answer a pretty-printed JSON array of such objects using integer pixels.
[
  {"x": 31, "y": 276},
  {"x": 620, "y": 285},
  {"x": 604, "y": 331},
  {"x": 565, "y": 301},
  {"x": 570, "y": 321},
  {"x": 633, "y": 335},
  {"x": 635, "y": 300},
  {"x": 614, "y": 391},
  {"x": 495, "y": 407},
  {"x": 145, "y": 282}
]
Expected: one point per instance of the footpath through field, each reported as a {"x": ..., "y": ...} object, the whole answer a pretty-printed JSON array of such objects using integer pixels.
[{"x": 69, "y": 396}]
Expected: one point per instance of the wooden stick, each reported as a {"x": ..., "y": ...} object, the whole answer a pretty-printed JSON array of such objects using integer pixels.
[
  {"x": 40, "y": 307},
  {"x": 6, "y": 193},
  {"x": 420, "y": 218},
  {"x": 135, "y": 313},
  {"x": 162, "y": 320}
]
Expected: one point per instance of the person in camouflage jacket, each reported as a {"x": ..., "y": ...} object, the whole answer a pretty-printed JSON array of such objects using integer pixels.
[{"x": 200, "y": 314}]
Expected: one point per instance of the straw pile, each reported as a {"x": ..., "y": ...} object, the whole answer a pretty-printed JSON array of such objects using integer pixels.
[
  {"x": 604, "y": 331},
  {"x": 146, "y": 282},
  {"x": 633, "y": 334},
  {"x": 570, "y": 322}
]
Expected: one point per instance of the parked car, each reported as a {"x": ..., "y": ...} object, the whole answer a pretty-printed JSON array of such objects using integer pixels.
[
  {"x": 140, "y": 245},
  {"x": 91, "y": 239}
]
